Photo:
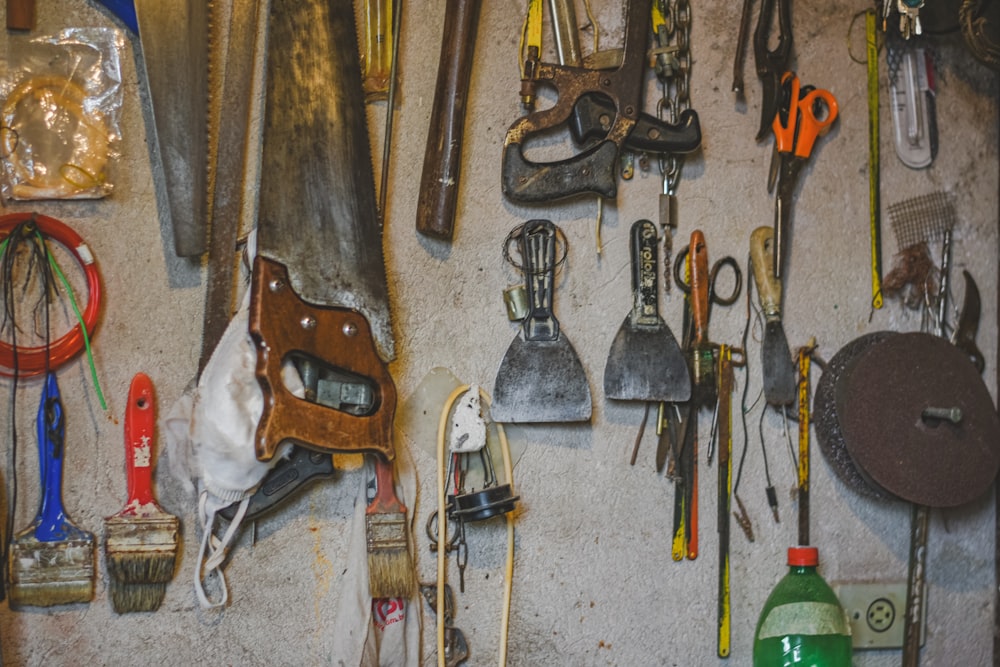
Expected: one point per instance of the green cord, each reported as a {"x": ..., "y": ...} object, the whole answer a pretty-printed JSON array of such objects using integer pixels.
[{"x": 79, "y": 318}]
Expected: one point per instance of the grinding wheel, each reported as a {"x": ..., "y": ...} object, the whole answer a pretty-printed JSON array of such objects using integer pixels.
[
  {"x": 827, "y": 424},
  {"x": 880, "y": 402}
]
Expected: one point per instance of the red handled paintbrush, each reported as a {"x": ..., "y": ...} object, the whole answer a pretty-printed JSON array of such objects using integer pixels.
[{"x": 140, "y": 542}]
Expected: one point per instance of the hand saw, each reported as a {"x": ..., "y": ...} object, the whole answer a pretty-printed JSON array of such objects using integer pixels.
[
  {"x": 174, "y": 37},
  {"x": 319, "y": 296}
]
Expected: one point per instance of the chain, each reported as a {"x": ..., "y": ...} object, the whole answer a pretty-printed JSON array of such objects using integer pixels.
[{"x": 673, "y": 69}]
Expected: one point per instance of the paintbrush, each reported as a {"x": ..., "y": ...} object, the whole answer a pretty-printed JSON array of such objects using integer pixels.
[
  {"x": 140, "y": 542},
  {"x": 51, "y": 561},
  {"x": 390, "y": 570}
]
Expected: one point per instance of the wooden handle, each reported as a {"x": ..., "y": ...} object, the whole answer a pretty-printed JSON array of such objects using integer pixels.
[
  {"x": 768, "y": 287},
  {"x": 443, "y": 155},
  {"x": 140, "y": 425},
  {"x": 20, "y": 14},
  {"x": 699, "y": 281}
]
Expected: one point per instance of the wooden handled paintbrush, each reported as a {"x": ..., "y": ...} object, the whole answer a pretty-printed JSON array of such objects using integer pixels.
[
  {"x": 51, "y": 561},
  {"x": 390, "y": 571},
  {"x": 140, "y": 542}
]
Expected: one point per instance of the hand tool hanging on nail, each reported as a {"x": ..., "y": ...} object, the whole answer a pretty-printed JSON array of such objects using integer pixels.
[
  {"x": 771, "y": 64},
  {"x": 319, "y": 293},
  {"x": 540, "y": 378},
  {"x": 174, "y": 37},
  {"x": 601, "y": 108},
  {"x": 437, "y": 202},
  {"x": 229, "y": 203},
  {"x": 804, "y": 114},
  {"x": 804, "y": 424},
  {"x": 723, "y": 504},
  {"x": 874, "y": 164},
  {"x": 775, "y": 355},
  {"x": 702, "y": 294},
  {"x": 645, "y": 362}
]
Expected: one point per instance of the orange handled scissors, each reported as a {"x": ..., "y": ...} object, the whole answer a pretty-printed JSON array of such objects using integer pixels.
[{"x": 805, "y": 114}]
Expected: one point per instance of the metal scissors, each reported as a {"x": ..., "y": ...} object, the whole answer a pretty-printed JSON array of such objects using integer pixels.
[
  {"x": 805, "y": 113},
  {"x": 771, "y": 64}
]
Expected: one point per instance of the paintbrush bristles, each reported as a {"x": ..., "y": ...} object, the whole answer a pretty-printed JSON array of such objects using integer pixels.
[
  {"x": 141, "y": 554},
  {"x": 45, "y": 574},
  {"x": 129, "y": 598},
  {"x": 390, "y": 569}
]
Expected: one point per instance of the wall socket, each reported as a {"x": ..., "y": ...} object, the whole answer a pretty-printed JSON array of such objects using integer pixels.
[{"x": 877, "y": 613}]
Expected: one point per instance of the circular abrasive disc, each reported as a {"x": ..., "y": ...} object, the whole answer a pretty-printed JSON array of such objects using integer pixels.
[
  {"x": 827, "y": 424},
  {"x": 880, "y": 402}
]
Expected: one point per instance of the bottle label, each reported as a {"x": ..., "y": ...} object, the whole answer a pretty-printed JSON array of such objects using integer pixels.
[{"x": 805, "y": 618}]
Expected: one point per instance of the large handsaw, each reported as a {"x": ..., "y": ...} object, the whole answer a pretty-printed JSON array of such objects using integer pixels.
[{"x": 319, "y": 296}]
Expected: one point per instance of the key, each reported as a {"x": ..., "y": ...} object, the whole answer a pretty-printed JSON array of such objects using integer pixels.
[{"x": 909, "y": 17}]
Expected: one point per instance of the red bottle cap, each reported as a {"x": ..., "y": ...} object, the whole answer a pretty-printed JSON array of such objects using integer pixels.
[{"x": 803, "y": 556}]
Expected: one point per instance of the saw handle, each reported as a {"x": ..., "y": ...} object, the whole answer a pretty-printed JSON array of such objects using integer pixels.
[
  {"x": 20, "y": 14},
  {"x": 140, "y": 427},
  {"x": 768, "y": 287},
  {"x": 282, "y": 323},
  {"x": 438, "y": 198}
]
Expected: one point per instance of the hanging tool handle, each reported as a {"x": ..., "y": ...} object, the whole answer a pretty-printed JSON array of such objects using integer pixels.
[
  {"x": 645, "y": 274},
  {"x": 51, "y": 428},
  {"x": 593, "y": 170},
  {"x": 125, "y": 11},
  {"x": 697, "y": 257},
  {"x": 538, "y": 250},
  {"x": 438, "y": 199},
  {"x": 140, "y": 428},
  {"x": 768, "y": 287},
  {"x": 20, "y": 14}
]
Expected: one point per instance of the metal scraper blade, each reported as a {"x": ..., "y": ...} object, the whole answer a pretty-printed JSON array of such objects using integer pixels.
[
  {"x": 780, "y": 373},
  {"x": 541, "y": 381},
  {"x": 646, "y": 364}
]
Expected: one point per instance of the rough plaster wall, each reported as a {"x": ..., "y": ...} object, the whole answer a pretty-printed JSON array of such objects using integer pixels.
[{"x": 594, "y": 581}]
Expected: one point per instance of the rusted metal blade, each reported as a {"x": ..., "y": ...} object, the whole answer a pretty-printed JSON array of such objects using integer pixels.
[{"x": 318, "y": 215}]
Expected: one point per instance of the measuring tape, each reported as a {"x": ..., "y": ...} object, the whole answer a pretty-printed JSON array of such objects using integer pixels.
[{"x": 874, "y": 187}]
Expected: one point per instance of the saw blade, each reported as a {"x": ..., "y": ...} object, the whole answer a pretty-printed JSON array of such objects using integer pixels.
[{"x": 318, "y": 214}]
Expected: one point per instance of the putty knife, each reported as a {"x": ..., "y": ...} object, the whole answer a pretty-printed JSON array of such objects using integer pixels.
[
  {"x": 780, "y": 373},
  {"x": 540, "y": 378},
  {"x": 645, "y": 362}
]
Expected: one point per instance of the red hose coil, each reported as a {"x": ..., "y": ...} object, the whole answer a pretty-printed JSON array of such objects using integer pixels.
[{"x": 32, "y": 360}]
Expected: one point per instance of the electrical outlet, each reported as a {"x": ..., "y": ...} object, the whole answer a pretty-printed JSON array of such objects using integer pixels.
[{"x": 877, "y": 613}]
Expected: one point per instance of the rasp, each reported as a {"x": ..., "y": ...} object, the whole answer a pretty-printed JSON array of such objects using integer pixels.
[{"x": 319, "y": 295}]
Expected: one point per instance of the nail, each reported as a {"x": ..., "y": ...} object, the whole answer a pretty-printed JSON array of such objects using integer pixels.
[{"x": 954, "y": 415}]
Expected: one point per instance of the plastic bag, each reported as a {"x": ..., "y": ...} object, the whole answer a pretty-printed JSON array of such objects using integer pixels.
[{"x": 59, "y": 124}]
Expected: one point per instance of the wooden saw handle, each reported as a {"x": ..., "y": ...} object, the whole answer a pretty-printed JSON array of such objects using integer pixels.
[
  {"x": 438, "y": 198},
  {"x": 20, "y": 14}
]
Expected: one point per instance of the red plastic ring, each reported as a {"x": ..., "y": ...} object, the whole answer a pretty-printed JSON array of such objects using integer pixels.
[{"x": 32, "y": 360}]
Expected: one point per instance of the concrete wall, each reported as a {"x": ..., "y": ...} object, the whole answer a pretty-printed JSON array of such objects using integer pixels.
[{"x": 594, "y": 582}]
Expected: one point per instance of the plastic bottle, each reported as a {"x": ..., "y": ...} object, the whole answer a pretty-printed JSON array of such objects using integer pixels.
[{"x": 802, "y": 622}]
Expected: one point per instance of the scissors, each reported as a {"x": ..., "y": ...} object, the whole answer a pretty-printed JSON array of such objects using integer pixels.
[
  {"x": 771, "y": 64},
  {"x": 805, "y": 113}
]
